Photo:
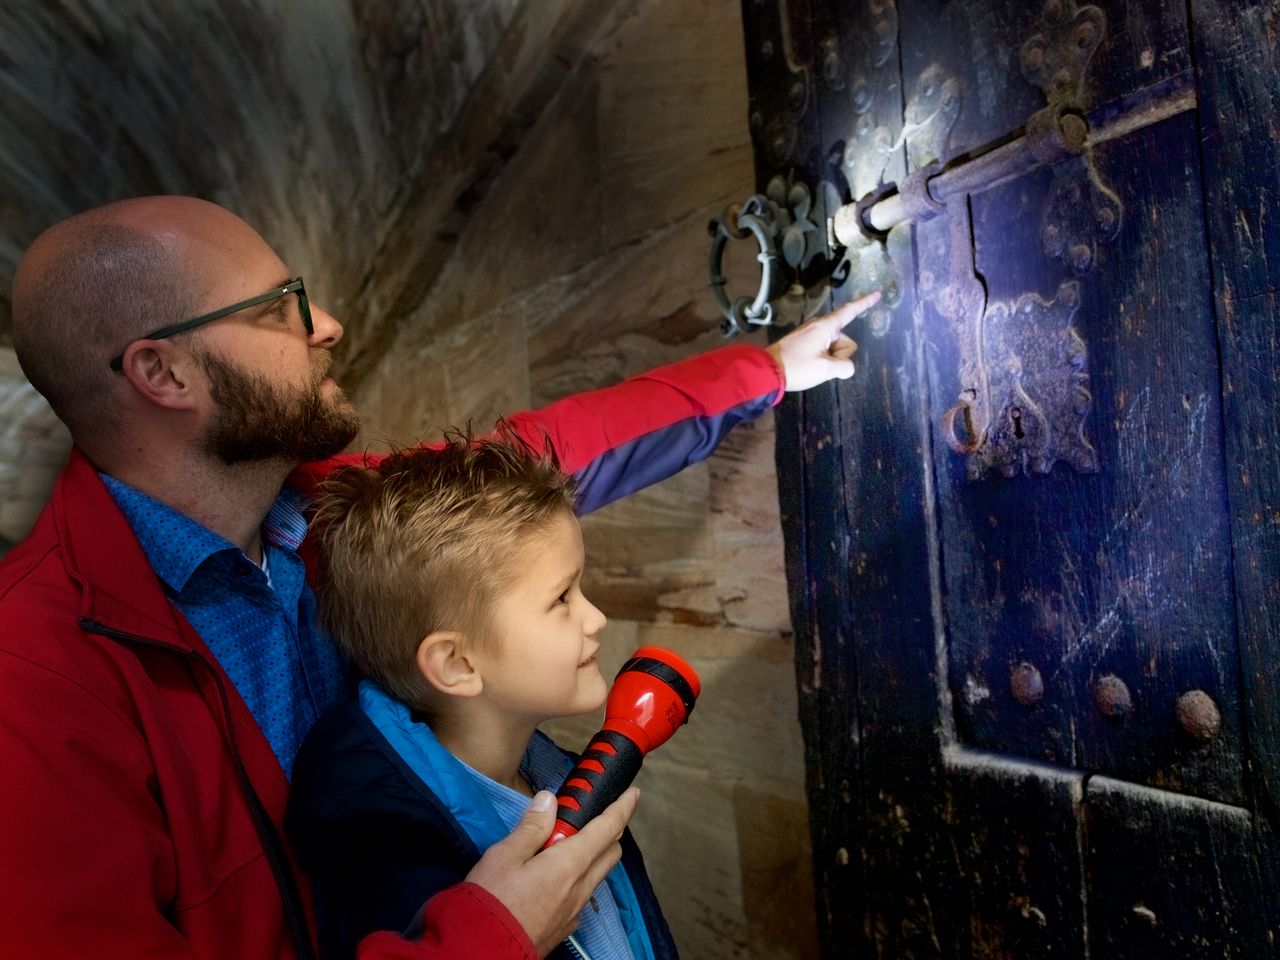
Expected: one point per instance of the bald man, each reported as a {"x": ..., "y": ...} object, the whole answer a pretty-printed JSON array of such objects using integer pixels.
[{"x": 160, "y": 657}]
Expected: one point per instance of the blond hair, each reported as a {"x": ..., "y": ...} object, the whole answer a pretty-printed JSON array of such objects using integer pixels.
[{"x": 425, "y": 541}]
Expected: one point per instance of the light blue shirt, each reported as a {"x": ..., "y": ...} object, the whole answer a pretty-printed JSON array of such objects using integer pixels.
[{"x": 544, "y": 768}]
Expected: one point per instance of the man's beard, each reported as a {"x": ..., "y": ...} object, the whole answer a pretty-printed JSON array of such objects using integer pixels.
[{"x": 258, "y": 421}]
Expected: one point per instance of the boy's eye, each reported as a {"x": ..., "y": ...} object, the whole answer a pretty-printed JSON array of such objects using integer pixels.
[{"x": 563, "y": 598}]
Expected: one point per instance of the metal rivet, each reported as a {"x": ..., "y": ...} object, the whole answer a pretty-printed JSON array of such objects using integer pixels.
[
  {"x": 878, "y": 322},
  {"x": 1144, "y": 913},
  {"x": 831, "y": 67},
  {"x": 797, "y": 94},
  {"x": 1111, "y": 694},
  {"x": 1106, "y": 218},
  {"x": 1053, "y": 11},
  {"x": 1027, "y": 684},
  {"x": 1086, "y": 34},
  {"x": 1074, "y": 130},
  {"x": 1198, "y": 715},
  {"x": 1033, "y": 58},
  {"x": 842, "y": 857},
  {"x": 1081, "y": 257},
  {"x": 766, "y": 50}
]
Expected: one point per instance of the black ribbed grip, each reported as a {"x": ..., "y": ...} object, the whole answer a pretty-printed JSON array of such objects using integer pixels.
[{"x": 620, "y": 769}]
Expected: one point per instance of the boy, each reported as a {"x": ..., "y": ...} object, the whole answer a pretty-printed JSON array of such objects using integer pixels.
[{"x": 453, "y": 582}]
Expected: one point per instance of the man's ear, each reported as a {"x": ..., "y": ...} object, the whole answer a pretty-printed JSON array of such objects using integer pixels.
[
  {"x": 441, "y": 661},
  {"x": 160, "y": 373}
]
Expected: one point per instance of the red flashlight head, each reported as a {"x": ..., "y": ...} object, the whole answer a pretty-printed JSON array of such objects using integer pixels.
[{"x": 651, "y": 697}]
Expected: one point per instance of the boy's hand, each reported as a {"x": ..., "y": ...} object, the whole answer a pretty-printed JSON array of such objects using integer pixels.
[
  {"x": 546, "y": 891},
  {"x": 818, "y": 351}
]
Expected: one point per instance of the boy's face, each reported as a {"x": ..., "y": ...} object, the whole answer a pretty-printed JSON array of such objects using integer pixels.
[{"x": 543, "y": 664}]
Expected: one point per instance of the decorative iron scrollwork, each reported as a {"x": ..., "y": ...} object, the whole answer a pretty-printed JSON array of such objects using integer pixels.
[
  {"x": 787, "y": 218},
  {"x": 1024, "y": 382},
  {"x": 1030, "y": 410}
]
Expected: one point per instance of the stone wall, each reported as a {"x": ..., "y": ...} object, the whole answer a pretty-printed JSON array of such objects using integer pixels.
[{"x": 505, "y": 202}]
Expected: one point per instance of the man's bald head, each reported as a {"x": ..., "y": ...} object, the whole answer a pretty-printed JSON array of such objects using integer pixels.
[{"x": 95, "y": 282}]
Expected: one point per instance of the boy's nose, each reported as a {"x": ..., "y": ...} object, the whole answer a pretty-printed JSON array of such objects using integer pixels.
[{"x": 596, "y": 620}]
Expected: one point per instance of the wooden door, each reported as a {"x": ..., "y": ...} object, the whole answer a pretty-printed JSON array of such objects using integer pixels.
[{"x": 1033, "y": 545}]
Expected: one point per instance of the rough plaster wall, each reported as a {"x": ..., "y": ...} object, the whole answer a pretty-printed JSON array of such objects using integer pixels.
[{"x": 544, "y": 236}]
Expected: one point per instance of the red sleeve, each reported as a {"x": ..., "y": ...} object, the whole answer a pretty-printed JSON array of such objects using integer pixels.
[{"x": 464, "y": 922}]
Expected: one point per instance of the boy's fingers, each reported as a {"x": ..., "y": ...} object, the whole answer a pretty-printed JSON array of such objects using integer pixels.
[
  {"x": 842, "y": 348},
  {"x": 841, "y": 317}
]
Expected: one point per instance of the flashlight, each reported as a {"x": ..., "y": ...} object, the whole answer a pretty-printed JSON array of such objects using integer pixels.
[{"x": 651, "y": 697}]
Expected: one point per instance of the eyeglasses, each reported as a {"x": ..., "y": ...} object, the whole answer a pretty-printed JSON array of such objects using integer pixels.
[{"x": 275, "y": 293}]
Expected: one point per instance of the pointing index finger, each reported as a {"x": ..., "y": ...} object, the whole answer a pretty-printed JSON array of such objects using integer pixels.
[{"x": 841, "y": 317}]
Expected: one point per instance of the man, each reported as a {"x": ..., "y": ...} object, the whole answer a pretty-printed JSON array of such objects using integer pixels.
[{"x": 160, "y": 658}]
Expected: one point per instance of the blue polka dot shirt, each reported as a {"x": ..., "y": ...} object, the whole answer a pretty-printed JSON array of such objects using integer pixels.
[{"x": 260, "y": 624}]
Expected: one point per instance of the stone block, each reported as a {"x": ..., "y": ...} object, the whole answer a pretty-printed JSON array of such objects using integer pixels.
[{"x": 673, "y": 120}]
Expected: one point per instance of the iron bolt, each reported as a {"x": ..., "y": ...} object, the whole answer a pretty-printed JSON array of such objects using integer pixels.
[
  {"x": 1111, "y": 694},
  {"x": 1081, "y": 257},
  {"x": 842, "y": 857},
  {"x": 1027, "y": 684},
  {"x": 1198, "y": 715},
  {"x": 766, "y": 50}
]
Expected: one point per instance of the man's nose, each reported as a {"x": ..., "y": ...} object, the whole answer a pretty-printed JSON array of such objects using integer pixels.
[{"x": 326, "y": 331}]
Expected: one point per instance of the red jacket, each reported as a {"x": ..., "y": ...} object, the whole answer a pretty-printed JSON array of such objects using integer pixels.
[{"x": 126, "y": 825}]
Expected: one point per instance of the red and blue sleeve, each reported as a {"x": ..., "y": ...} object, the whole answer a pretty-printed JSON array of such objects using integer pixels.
[{"x": 617, "y": 440}]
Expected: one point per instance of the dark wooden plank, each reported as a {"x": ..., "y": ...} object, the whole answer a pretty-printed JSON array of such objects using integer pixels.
[
  {"x": 876, "y": 429},
  {"x": 787, "y": 139},
  {"x": 1238, "y": 70},
  {"x": 1172, "y": 876},
  {"x": 1118, "y": 573},
  {"x": 1015, "y": 834}
]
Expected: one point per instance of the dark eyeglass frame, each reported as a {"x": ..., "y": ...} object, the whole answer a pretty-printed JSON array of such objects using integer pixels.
[{"x": 275, "y": 293}]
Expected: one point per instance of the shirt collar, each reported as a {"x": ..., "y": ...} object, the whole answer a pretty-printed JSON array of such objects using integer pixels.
[{"x": 176, "y": 545}]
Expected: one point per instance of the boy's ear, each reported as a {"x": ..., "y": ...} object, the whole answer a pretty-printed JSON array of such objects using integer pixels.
[{"x": 445, "y": 667}]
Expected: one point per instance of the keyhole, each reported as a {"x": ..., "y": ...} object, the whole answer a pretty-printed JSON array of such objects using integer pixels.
[{"x": 1015, "y": 414}]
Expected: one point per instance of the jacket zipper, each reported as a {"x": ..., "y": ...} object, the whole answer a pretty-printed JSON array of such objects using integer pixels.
[
  {"x": 272, "y": 843},
  {"x": 576, "y": 948}
]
